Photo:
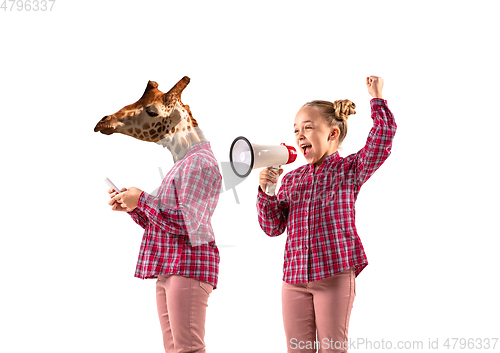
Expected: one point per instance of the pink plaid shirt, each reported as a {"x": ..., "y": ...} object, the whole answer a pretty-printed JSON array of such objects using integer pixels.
[
  {"x": 317, "y": 208},
  {"x": 178, "y": 235}
]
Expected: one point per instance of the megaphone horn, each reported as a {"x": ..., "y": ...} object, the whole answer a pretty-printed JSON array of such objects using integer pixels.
[{"x": 245, "y": 156}]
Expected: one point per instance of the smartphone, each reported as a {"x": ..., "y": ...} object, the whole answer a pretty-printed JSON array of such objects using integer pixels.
[{"x": 111, "y": 185}]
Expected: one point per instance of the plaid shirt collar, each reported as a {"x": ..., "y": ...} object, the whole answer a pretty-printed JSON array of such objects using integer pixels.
[
  {"x": 194, "y": 148},
  {"x": 328, "y": 159}
]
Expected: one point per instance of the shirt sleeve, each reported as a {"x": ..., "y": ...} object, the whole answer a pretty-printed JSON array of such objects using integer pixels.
[
  {"x": 379, "y": 143},
  {"x": 272, "y": 211},
  {"x": 139, "y": 217},
  {"x": 188, "y": 202}
]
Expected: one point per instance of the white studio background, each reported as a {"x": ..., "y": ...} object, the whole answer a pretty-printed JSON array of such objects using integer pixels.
[{"x": 427, "y": 218}]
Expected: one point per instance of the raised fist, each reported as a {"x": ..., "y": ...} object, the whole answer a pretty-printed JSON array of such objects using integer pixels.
[{"x": 375, "y": 84}]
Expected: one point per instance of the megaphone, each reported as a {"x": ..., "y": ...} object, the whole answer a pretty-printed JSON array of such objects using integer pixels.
[{"x": 245, "y": 156}]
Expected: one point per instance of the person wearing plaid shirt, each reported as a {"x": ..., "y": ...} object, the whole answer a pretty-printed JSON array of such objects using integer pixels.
[
  {"x": 178, "y": 247},
  {"x": 315, "y": 204}
]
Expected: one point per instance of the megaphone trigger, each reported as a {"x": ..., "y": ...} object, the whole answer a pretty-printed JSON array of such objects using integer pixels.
[{"x": 271, "y": 188}]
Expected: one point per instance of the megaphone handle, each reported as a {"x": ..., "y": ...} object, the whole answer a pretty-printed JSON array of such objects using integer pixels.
[{"x": 271, "y": 188}]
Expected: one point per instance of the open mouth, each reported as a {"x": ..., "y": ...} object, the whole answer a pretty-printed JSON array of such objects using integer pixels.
[
  {"x": 106, "y": 130},
  {"x": 305, "y": 149}
]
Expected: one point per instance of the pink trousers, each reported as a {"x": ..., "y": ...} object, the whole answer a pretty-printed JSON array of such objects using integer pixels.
[
  {"x": 182, "y": 305},
  {"x": 316, "y": 314}
]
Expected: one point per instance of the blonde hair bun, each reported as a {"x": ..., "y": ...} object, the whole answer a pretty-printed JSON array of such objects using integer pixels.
[{"x": 343, "y": 108}]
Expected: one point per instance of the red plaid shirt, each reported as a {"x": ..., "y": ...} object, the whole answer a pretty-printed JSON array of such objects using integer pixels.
[
  {"x": 178, "y": 235},
  {"x": 317, "y": 208}
]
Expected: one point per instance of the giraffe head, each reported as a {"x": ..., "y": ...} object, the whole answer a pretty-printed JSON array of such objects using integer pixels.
[{"x": 155, "y": 117}]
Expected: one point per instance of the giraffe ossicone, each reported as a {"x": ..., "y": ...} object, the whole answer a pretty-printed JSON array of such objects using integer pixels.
[{"x": 157, "y": 117}]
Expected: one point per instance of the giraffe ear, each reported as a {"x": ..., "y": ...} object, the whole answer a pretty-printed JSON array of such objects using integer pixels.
[{"x": 179, "y": 87}]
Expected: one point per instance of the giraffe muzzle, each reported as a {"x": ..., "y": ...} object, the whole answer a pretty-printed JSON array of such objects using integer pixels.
[{"x": 104, "y": 126}]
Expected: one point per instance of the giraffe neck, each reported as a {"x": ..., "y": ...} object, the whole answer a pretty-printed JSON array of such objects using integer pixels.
[{"x": 179, "y": 143}]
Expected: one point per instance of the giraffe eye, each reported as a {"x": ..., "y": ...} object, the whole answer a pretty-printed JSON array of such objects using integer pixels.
[{"x": 152, "y": 114}]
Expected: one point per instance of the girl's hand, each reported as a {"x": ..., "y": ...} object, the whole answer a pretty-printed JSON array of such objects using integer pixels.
[
  {"x": 127, "y": 199},
  {"x": 375, "y": 84},
  {"x": 268, "y": 176},
  {"x": 115, "y": 206}
]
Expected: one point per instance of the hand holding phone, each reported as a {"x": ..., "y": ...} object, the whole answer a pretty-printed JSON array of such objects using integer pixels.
[{"x": 115, "y": 206}]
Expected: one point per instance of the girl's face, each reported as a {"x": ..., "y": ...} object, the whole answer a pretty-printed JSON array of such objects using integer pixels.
[{"x": 313, "y": 136}]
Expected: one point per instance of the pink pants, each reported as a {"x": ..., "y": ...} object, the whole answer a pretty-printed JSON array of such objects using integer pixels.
[
  {"x": 316, "y": 314},
  {"x": 182, "y": 305}
]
